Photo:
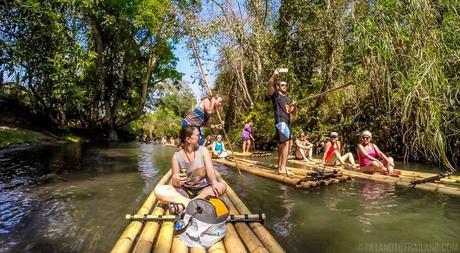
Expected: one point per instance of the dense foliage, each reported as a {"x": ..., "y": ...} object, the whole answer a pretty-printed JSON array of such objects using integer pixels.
[
  {"x": 88, "y": 64},
  {"x": 97, "y": 64},
  {"x": 400, "y": 56}
]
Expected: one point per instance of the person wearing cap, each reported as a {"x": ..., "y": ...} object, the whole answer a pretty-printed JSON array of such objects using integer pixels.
[
  {"x": 302, "y": 147},
  {"x": 371, "y": 159},
  {"x": 283, "y": 108},
  {"x": 218, "y": 148},
  {"x": 332, "y": 153}
]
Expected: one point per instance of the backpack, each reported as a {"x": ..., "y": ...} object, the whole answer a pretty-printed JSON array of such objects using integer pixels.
[{"x": 204, "y": 222}]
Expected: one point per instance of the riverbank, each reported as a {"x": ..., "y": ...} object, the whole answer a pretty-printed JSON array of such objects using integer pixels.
[{"x": 14, "y": 138}]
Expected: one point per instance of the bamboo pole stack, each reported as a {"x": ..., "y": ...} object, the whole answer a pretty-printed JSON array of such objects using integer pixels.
[{"x": 156, "y": 236}]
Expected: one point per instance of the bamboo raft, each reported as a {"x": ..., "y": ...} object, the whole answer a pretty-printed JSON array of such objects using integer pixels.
[
  {"x": 253, "y": 154},
  {"x": 154, "y": 236},
  {"x": 254, "y": 167},
  {"x": 404, "y": 173},
  {"x": 266, "y": 170},
  {"x": 448, "y": 186}
]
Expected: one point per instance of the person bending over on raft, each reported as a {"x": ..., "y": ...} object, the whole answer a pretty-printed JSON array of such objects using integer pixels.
[
  {"x": 283, "y": 107},
  {"x": 218, "y": 148},
  {"x": 332, "y": 153},
  {"x": 302, "y": 147},
  {"x": 193, "y": 174},
  {"x": 247, "y": 137},
  {"x": 200, "y": 116},
  {"x": 371, "y": 159}
]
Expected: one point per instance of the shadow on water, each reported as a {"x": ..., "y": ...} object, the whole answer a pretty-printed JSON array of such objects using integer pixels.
[{"x": 73, "y": 199}]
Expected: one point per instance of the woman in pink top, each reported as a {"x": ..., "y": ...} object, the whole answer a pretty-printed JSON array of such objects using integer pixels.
[{"x": 371, "y": 159}]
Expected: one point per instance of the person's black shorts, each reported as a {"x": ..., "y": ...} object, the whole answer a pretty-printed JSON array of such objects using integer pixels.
[
  {"x": 190, "y": 193},
  {"x": 283, "y": 133}
]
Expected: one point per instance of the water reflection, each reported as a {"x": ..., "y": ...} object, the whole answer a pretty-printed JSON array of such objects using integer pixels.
[
  {"x": 283, "y": 225},
  {"x": 72, "y": 198}
]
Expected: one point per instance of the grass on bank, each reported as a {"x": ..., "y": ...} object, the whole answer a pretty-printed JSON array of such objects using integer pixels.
[{"x": 10, "y": 136}]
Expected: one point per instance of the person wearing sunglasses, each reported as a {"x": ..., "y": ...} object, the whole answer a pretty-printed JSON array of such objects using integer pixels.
[
  {"x": 283, "y": 108},
  {"x": 332, "y": 153},
  {"x": 372, "y": 160},
  {"x": 302, "y": 147}
]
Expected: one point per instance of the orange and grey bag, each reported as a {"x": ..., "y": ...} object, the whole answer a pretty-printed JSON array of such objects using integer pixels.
[{"x": 204, "y": 222}]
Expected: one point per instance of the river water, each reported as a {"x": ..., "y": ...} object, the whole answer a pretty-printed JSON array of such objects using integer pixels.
[{"x": 73, "y": 198}]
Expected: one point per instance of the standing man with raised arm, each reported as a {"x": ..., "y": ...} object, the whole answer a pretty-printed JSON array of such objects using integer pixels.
[{"x": 283, "y": 107}]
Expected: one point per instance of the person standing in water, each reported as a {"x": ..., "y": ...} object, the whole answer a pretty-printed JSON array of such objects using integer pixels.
[
  {"x": 283, "y": 107},
  {"x": 200, "y": 116},
  {"x": 247, "y": 137}
]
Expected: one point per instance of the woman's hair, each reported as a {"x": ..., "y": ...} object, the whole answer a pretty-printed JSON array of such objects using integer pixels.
[{"x": 185, "y": 131}]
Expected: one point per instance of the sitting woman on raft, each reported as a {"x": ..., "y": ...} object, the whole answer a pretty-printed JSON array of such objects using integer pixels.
[
  {"x": 193, "y": 174},
  {"x": 332, "y": 153},
  {"x": 218, "y": 148},
  {"x": 372, "y": 160},
  {"x": 302, "y": 147}
]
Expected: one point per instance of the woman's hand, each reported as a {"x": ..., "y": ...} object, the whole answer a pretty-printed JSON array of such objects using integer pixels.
[
  {"x": 219, "y": 188},
  {"x": 180, "y": 177}
]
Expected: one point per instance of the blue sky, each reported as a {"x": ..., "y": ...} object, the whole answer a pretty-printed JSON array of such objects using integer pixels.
[{"x": 186, "y": 64}]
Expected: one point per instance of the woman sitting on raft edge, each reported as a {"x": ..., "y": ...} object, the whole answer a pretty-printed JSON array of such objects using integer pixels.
[
  {"x": 369, "y": 154},
  {"x": 332, "y": 153},
  {"x": 193, "y": 174}
]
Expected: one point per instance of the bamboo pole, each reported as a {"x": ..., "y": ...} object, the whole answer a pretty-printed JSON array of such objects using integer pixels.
[
  {"x": 126, "y": 240},
  {"x": 218, "y": 247},
  {"x": 197, "y": 250},
  {"x": 251, "y": 241},
  {"x": 145, "y": 242},
  {"x": 252, "y": 154},
  {"x": 164, "y": 240},
  {"x": 232, "y": 241},
  {"x": 178, "y": 246},
  {"x": 322, "y": 93},
  {"x": 262, "y": 233},
  {"x": 205, "y": 80}
]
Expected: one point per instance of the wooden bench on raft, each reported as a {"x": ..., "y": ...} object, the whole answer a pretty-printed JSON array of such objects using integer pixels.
[{"x": 154, "y": 236}]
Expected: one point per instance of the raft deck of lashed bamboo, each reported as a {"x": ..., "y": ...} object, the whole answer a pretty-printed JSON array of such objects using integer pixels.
[
  {"x": 448, "y": 185},
  {"x": 266, "y": 170},
  {"x": 155, "y": 236},
  {"x": 255, "y": 168}
]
